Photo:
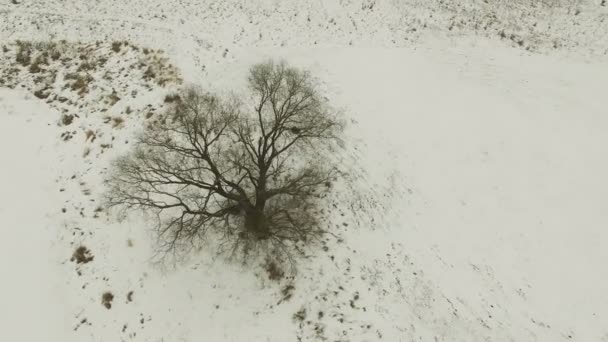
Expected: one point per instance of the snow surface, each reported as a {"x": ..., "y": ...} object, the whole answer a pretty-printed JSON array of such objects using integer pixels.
[
  {"x": 475, "y": 210},
  {"x": 34, "y": 290}
]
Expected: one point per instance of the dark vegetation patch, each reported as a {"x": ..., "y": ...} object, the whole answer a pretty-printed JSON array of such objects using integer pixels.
[
  {"x": 171, "y": 98},
  {"x": 67, "y": 120},
  {"x": 286, "y": 293},
  {"x": 273, "y": 270},
  {"x": 82, "y": 255},
  {"x": 106, "y": 299},
  {"x": 24, "y": 53},
  {"x": 116, "y": 46},
  {"x": 299, "y": 316}
]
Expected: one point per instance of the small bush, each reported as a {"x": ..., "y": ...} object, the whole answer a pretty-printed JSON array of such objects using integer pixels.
[
  {"x": 106, "y": 299},
  {"x": 38, "y": 61},
  {"x": 113, "y": 98},
  {"x": 149, "y": 74},
  {"x": 90, "y": 135},
  {"x": 35, "y": 68},
  {"x": 273, "y": 270},
  {"x": 117, "y": 121},
  {"x": 81, "y": 82},
  {"x": 171, "y": 98},
  {"x": 86, "y": 66},
  {"x": 116, "y": 46},
  {"x": 299, "y": 316},
  {"x": 41, "y": 93},
  {"x": 82, "y": 255},
  {"x": 67, "y": 120},
  {"x": 55, "y": 55}
]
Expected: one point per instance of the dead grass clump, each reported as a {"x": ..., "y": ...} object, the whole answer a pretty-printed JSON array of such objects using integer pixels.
[
  {"x": 67, "y": 120},
  {"x": 116, "y": 46},
  {"x": 41, "y": 94},
  {"x": 299, "y": 316},
  {"x": 38, "y": 61},
  {"x": 113, "y": 98},
  {"x": 171, "y": 98},
  {"x": 86, "y": 66},
  {"x": 89, "y": 134},
  {"x": 149, "y": 74},
  {"x": 35, "y": 68},
  {"x": 274, "y": 271},
  {"x": 287, "y": 293},
  {"x": 106, "y": 299},
  {"x": 55, "y": 54},
  {"x": 116, "y": 121},
  {"x": 66, "y": 136},
  {"x": 80, "y": 82},
  {"x": 159, "y": 69},
  {"x": 101, "y": 61},
  {"x": 24, "y": 53},
  {"x": 82, "y": 255}
]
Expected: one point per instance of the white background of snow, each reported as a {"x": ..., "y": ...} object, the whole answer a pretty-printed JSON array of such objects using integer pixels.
[
  {"x": 32, "y": 281},
  {"x": 493, "y": 161}
]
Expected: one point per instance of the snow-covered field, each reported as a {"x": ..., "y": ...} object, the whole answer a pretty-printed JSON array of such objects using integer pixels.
[{"x": 475, "y": 210}]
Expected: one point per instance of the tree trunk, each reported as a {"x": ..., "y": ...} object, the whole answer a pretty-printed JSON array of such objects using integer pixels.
[{"x": 255, "y": 221}]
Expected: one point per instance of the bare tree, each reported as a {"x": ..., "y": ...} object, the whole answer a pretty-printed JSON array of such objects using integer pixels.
[{"x": 247, "y": 172}]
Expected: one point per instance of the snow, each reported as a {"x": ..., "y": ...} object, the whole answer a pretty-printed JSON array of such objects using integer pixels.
[
  {"x": 474, "y": 210},
  {"x": 32, "y": 284}
]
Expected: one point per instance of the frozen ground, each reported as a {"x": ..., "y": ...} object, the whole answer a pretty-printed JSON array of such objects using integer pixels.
[{"x": 477, "y": 212}]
